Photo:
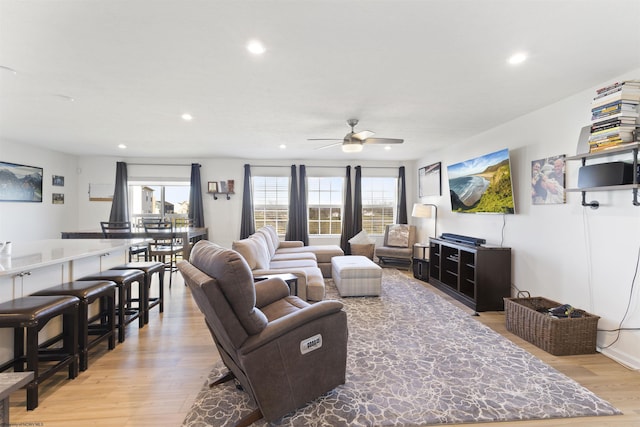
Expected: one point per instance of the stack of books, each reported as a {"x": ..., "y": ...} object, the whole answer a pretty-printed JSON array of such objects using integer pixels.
[{"x": 614, "y": 116}]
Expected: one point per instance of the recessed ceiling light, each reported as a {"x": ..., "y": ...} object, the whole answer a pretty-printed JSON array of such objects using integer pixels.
[
  {"x": 387, "y": 147},
  {"x": 282, "y": 146},
  {"x": 256, "y": 47},
  {"x": 122, "y": 146},
  {"x": 188, "y": 117},
  {"x": 517, "y": 58}
]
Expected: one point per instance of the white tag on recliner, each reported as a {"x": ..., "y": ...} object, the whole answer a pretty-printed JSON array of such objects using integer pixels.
[{"x": 311, "y": 344}]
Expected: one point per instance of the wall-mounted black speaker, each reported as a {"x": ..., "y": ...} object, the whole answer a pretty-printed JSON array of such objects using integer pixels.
[{"x": 604, "y": 174}]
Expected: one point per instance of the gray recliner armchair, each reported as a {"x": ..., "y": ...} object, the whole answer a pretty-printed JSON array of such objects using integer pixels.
[
  {"x": 398, "y": 245},
  {"x": 283, "y": 351}
]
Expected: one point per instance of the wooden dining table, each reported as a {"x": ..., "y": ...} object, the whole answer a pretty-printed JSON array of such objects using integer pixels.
[{"x": 186, "y": 234}]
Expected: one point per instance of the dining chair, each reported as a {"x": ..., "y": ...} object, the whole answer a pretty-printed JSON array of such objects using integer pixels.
[
  {"x": 183, "y": 222},
  {"x": 164, "y": 246},
  {"x": 122, "y": 230}
]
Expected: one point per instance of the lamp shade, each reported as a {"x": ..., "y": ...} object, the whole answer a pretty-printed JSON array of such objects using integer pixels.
[{"x": 421, "y": 211}]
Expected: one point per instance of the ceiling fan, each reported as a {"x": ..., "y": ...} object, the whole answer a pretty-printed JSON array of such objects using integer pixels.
[{"x": 354, "y": 141}]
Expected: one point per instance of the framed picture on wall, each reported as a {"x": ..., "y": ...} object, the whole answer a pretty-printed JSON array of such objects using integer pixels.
[
  {"x": 20, "y": 183},
  {"x": 57, "y": 198},
  {"x": 57, "y": 180},
  {"x": 212, "y": 187},
  {"x": 547, "y": 180},
  {"x": 429, "y": 181}
]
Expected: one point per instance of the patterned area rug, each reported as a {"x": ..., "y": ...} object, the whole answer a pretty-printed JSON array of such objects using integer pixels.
[{"x": 414, "y": 359}]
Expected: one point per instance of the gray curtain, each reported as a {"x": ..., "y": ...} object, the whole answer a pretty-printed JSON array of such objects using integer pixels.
[
  {"x": 120, "y": 203},
  {"x": 196, "y": 210},
  {"x": 357, "y": 202},
  {"x": 347, "y": 215},
  {"x": 293, "y": 220},
  {"x": 402, "y": 198},
  {"x": 303, "y": 228},
  {"x": 247, "y": 222}
]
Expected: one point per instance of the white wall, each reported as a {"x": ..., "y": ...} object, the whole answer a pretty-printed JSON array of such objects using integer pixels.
[
  {"x": 567, "y": 253},
  {"x": 564, "y": 252},
  {"x": 222, "y": 216},
  {"x": 32, "y": 221}
]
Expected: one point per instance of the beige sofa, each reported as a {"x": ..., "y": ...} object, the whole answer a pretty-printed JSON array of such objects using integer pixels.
[{"x": 267, "y": 254}]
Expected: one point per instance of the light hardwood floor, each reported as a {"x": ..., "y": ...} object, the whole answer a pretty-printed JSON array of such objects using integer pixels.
[{"x": 153, "y": 377}]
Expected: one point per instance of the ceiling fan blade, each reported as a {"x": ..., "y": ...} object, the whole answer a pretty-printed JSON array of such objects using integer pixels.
[
  {"x": 362, "y": 135},
  {"x": 383, "y": 141},
  {"x": 324, "y": 139},
  {"x": 330, "y": 145}
]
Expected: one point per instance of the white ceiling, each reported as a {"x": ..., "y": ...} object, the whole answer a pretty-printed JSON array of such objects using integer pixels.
[{"x": 432, "y": 72}]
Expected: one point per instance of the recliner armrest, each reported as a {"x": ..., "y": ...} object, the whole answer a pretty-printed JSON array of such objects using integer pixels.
[
  {"x": 270, "y": 290},
  {"x": 290, "y": 322}
]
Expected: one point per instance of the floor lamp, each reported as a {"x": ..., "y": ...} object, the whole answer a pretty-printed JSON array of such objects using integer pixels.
[{"x": 425, "y": 210}]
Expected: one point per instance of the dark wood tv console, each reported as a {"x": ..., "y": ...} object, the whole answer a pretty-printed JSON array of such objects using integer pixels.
[{"x": 477, "y": 276}]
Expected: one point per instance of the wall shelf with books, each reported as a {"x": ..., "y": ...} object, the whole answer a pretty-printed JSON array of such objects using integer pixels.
[{"x": 630, "y": 148}]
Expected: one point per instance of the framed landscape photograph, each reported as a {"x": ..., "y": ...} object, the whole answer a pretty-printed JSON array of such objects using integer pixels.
[
  {"x": 20, "y": 183},
  {"x": 429, "y": 181},
  {"x": 57, "y": 180}
]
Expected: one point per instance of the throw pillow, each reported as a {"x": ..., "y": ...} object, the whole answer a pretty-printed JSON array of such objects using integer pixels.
[
  {"x": 398, "y": 236},
  {"x": 262, "y": 251},
  {"x": 248, "y": 249},
  {"x": 362, "y": 238}
]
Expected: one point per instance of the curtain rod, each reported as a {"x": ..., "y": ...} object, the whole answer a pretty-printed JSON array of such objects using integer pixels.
[
  {"x": 158, "y": 164},
  {"x": 327, "y": 167}
]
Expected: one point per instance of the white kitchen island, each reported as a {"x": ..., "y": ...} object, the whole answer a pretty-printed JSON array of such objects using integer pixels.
[{"x": 36, "y": 265}]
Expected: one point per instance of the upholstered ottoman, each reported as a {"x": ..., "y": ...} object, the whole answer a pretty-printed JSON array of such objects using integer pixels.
[{"x": 356, "y": 275}]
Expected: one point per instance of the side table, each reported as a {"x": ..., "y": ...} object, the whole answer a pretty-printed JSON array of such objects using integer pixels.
[
  {"x": 10, "y": 382},
  {"x": 290, "y": 279},
  {"x": 420, "y": 262}
]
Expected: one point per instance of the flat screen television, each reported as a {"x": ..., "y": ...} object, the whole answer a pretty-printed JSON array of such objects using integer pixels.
[{"x": 482, "y": 184}]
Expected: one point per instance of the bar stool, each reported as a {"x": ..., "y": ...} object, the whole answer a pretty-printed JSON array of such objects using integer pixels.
[
  {"x": 32, "y": 313},
  {"x": 125, "y": 311},
  {"x": 149, "y": 268},
  {"x": 101, "y": 325}
]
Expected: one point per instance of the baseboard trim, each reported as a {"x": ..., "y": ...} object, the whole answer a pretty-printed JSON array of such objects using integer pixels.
[{"x": 621, "y": 357}]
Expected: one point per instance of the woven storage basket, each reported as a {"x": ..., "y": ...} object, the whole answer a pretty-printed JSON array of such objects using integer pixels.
[
  {"x": 364, "y": 250},
  {"x": 558, "y": 336}
]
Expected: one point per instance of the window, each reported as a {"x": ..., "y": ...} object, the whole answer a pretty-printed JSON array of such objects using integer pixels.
[
  {"x": 158, "y": 199},
  {"x": 378, "y": 203},
  {"x": 324, "y": 201},
  {"x": 271, "y": 202}
]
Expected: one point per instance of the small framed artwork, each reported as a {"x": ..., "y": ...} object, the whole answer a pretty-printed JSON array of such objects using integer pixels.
[
  {"x": 57, "y": 198},
  {"x": 58, "y": 181},
  {"x": 212, "y": 187},
  {"x": 547, "y": 180},
  {"x": 429, "y": 181},
  {"x": 20, "y": 183},
  {"x": 231, "y": 185},
  {"x": 224, "y": 188}
]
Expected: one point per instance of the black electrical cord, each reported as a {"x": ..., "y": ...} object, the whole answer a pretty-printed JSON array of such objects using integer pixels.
[{"x": 620, "y": 328}]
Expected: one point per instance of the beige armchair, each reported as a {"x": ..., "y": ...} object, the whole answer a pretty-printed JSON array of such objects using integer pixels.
[
  {"x": 398, "y": 245},
  {"x": 283, "y": 351}
]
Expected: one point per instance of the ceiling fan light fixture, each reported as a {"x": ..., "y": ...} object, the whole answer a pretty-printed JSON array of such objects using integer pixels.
[{"x": 351, "y": 147}]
